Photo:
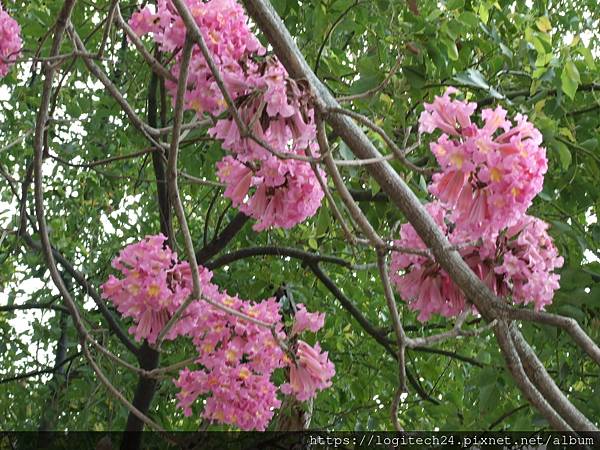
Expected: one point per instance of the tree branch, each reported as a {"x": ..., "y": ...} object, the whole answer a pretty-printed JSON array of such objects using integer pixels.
[
  {"x": 204, "y": 254},
  {"x": 302, "y": 255},
  {"x": 34, "y": 373},
  {"x": 527, "y": 387},
  {"x": 113, "y": 324},
  {"x": 394, "y": 186}
]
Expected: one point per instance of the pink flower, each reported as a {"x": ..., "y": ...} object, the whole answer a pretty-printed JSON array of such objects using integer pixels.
[
  {"x": 237, "y": 356},
  {"x": 528, "y": 263},
  {"x": 152, "y": 287},
  {"x": 10, "y": 42},
  {"x": 451, "y": 116},
  {"x": 238, "y": 178},
  {"x": 274, "y": 106},
  {"x": 303, "y": 320},
  {"x": 311, "y": 373},
  {"x": 143, "y": 22}
]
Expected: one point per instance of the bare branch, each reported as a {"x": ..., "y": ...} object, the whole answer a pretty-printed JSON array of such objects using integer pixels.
[
  {"x": 102, "y": 162},
  {"x": 107, "y": 27},
  {"x": 27, "y": 306},
  {"x": 401, "y": 338},
  {"x": 568, "y": 324},
  {"x": 156, "y": 66},
  {"x": 362, "y": 162},
  {"x": 324, "y": 149},
  {"x": 117, "y": 394},
  {"x": 396, "y": 151},
  {"x": 148, "y": 131},
  {"x": 537, "y": 373},
  {"x": 174, "y": 189},
  {"x": 89, "y": 290},
  {"x": 353, "y": 208},
  {"x": 35, "y": 373},
  {"x": 456, "y": 331},
  {"x": 41, "y": 120}
]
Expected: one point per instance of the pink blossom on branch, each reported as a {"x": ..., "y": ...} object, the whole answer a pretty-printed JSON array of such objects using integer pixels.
[
  {"x": 313, "y": 371},
  {"x": 276, "y": 192},
  {"x": 518, "y": 264},
  {"x": 10, "y": 42},
  {"x": 304, "y": 320},
  {"x": 490, "y": 174},
  {"x": 236, "y": 357},
  {"x": 152, "y": 288}
]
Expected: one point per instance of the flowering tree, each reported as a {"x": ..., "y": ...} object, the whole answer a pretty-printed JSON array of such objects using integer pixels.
[{"x": 421, "y": 191}]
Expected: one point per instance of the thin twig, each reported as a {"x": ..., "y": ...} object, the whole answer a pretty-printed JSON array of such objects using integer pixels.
[
  {"x": 397, "y": 151},
  {"x": 156, "y": 66},
  {"x": 324, "y": 148},
  {"x": 117, "y": 394},
  {"x": 107, "y": 28},
  {"x": 363, "y": 162},
  {"x": 41, "y": 120},
  {"x": 380, "y": 87},
  {"x": 148, "y": 131},
  {"x": 401, "y": 338}
]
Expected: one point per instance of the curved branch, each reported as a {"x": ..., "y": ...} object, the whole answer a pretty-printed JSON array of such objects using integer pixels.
[
  {"x": 545, "y": 384},
  {"x": 156, "y": 66},
  {"x": 328, "y": 34},
  {"x": 27, "y": 306},
  {"x": 302, "y": 255},
  {"x": 41, "y": 120},
  {"x": 568, "y": 324},
  {"x": 204, "y": 254},
  {"x": 378, "y": 335},
  {"x": 148, "y": 131},
  {"x": 34, "y": 373}
]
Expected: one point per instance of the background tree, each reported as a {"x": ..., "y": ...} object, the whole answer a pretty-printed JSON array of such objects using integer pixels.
[{"x": 96, "y": 114}]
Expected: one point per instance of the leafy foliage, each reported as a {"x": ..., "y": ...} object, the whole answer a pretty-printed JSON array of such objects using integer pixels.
[{"x": 536, "y": 57}]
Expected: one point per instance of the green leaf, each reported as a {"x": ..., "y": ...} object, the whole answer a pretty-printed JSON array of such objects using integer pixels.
[
  {"x": 570, "y": 79},
  {"x": 455, "y": 4},
  {"x": 564, "y": 154},
  {"x": 473, "y": 77},
  {"x": 452, "y": 50},
  {"x": 588, "y": 57},
  {"x": 484, "y": 13},
  {"x": 469, "y": 19},
  {"x": 543, "y": 24}
]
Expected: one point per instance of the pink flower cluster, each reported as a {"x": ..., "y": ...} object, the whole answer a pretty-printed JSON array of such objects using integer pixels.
[
  {"x": 311, "y": 372},
  {"x": 529, "y": 261},
  {"x": 312, "y": 369},
  {"x": 153, "y": 286},
  {"x": 519, "y": 262},
  {"x": 237, "y": 357},
  {"x": 10, "y": 41},
  {"x": 489, "y": 176},
  {"x": 419, "y": 280},
  {"x": 276, "y": 192}
]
